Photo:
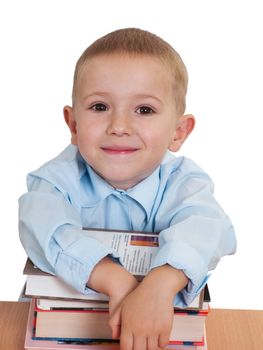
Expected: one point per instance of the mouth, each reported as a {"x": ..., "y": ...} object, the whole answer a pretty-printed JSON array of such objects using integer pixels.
[{"x": 119, "y": 150}]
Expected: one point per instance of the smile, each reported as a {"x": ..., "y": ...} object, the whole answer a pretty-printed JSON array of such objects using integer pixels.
[{"x": 121, "y": 150}]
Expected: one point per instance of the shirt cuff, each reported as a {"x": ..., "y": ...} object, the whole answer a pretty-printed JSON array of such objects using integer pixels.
[
  {"x": 183, "y": 257},
  {"x": 75, "y": 264}
]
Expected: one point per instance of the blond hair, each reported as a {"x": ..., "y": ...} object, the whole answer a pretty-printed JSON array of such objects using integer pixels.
[{"x": 134, "y": 41}]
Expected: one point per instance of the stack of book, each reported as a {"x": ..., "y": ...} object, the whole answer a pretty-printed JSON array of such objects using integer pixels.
[{"x": 61, "y": 318}]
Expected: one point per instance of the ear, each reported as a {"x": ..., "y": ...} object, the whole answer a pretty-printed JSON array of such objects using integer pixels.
[
  {"x": 71, "y": 123},
  {"x": 184, "y": 127}
]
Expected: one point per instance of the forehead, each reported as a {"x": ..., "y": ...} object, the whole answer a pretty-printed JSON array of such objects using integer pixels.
[{"x": 124, "y": 71}]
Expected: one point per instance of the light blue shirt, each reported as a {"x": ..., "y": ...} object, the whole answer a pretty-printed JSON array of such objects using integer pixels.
[{"x": 65, "y": 195}]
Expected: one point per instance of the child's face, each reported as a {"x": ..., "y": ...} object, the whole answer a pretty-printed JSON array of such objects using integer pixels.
[{"x": 124, "y": 117}]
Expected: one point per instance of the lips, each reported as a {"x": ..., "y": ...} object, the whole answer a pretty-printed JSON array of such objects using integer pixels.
[{"x": 116, "y": 149}]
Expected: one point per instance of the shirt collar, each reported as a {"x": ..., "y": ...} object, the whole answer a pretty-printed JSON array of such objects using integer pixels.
[
  {"x": 145, "y": 191},
  {"x": 97, "y": 189}
]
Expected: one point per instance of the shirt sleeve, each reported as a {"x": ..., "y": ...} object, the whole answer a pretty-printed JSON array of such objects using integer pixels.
[
  {"x": 199, "y": 233},
  {"x": 51, "y": 233}
]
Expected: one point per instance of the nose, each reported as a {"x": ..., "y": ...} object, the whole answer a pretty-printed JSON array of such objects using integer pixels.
[{"x": 119, "y": 124}]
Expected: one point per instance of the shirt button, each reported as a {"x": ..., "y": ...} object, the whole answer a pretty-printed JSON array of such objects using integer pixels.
[{"x": 123, "y": 193}]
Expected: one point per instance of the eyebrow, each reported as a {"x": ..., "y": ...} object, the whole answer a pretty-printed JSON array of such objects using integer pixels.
[
  {"x": 103, "y": 94},
  {"x": 96, "y": 93},
  {"x": 149, "y": 96}
]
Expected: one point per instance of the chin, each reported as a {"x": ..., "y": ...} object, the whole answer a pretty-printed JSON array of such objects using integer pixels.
[{"x": 121, "y": 184}]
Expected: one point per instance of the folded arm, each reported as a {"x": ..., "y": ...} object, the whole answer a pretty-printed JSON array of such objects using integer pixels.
[{"x": 51, "y": 232}]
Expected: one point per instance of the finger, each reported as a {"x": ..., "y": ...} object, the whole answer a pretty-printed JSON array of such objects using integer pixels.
[
  {"x": 115, "y": 324},
  {"x": 116, "y": 331},
  {"x": 163, "y": 340},
  {"x": 139, "y": 343},
  {"x": 126, "y": 340},
  {"x": 152, "y": 343}
]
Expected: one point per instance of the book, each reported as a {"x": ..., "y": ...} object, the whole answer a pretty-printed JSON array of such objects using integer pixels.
[
  {"x": 54, "y": 304},
  {"x": 57, "y": 304},
  {"x": 61, "y": 303},
  {"x": 136, "y": 250},
  {"x": 31, "y": 343},
  {"x": 44, "y": 285},
  {"x": 86, "y": 324}
]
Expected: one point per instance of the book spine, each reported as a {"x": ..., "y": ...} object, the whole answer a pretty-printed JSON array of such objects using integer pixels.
[
  {"x": 72, "y": 310},
  {"x": 188, "y": 343}
]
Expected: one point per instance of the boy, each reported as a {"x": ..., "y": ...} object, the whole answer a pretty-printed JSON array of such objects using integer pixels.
[{"x": 127, "y": 111}]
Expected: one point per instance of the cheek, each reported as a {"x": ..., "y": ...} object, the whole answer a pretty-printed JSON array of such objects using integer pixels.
[
  {"x": 90, "y": 127},
  {"x": 88, "y": 137},
  {"x": 157, "y": 138},
  {"x": 83, "y": 128}
]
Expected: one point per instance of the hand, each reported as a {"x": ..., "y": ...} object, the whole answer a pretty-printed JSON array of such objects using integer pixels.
[
  {"x": 146, "y": 320},
  {"x": 146, "y": 314},
  {"x": 112, "y": 279}
]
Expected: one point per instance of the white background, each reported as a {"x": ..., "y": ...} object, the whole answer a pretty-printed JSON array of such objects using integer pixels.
[{"x": 221, "y": 44}]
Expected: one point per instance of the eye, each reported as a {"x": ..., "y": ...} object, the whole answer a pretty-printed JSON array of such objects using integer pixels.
[
  {"x": 145, "y": 110},
  {"x": 99, "y": 107}
]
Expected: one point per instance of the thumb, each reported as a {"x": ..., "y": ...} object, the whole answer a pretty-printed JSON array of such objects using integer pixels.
[{"x": 115, "y": 323}]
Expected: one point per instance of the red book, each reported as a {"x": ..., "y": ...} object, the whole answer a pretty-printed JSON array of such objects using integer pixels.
[
  {"x": 92, "y": 324},
  {"x": 31, "y": 343}
]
